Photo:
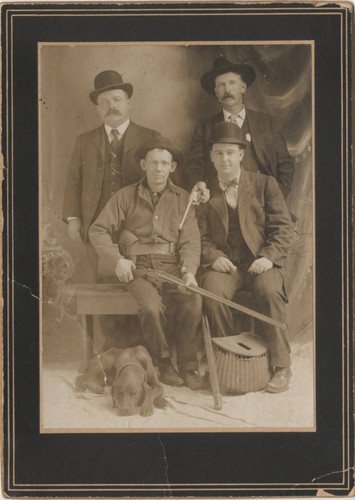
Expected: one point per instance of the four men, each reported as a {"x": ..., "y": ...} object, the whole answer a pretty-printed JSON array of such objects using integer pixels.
[{"x": 245, "y": 228}]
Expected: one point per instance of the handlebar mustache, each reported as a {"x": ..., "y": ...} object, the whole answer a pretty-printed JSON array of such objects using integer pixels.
[{"x": 112, "y": 112}]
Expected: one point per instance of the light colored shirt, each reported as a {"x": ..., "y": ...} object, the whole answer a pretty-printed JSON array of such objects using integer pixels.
[
  {"x": 239, "y": 119},
  {"x": 121, "y": 129},
  {"x": 231, "y": 191}
]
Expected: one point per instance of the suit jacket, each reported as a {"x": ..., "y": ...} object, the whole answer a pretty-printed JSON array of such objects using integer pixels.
[
  {"x": 270, "y": 148},
  {"x": 86, "y": 170},
  {"x": 264, "y": 220}
]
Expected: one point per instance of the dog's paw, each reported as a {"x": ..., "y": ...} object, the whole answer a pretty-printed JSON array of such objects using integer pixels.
[
  {"x": 81, "y": 384},
  {"x": 146, "y": 411},
  {"x": 96, "y": 388},
  {"x": 161, "y": 403}
]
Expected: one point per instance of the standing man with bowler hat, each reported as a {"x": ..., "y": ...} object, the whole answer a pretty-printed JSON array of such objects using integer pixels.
[
  {"x": 103, "y": 161},
  {"x": 267, "y": 152},
  {"x": 104, "y": 158},
  {"x": 246, "y": 232}
]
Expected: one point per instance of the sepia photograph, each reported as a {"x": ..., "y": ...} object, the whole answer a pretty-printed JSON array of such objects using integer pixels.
[
  {"x": 177, "y": 236},
  {"x": 177, "y": 249}
]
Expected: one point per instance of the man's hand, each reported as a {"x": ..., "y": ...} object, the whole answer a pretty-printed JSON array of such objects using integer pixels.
[
  {"x": 75, "y": 229},
  {"x": 189, "y": 279},
  {"x": 223, "y": 265},
  {"x": 124, "y": 270},
  {"x": 260, "y": 266},
  {"x": 202, "y": 193}
]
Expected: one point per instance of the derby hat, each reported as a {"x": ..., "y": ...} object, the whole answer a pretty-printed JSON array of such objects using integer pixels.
[
  {"x": 221, "y": 65},
  {"x": 160, "y": 142},
  {"x": 109, "y": 80},
  {"x": 228, "y": 133}
]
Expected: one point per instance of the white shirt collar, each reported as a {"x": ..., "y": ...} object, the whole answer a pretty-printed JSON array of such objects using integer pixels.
[
  {"x": 241, "y": 114},
  {"x": 121, "y": 128}
]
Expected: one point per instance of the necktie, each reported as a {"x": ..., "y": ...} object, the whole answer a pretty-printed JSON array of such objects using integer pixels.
[
  {"x": 115, "y": 139},
  {"x": 226, "y": 184},
  {"x": 230, "y": 189},
  {"x": 238, "y": 120}
]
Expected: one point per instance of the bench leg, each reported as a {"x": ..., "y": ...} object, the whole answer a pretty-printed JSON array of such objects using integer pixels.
[{"x": 87, "y": 338}]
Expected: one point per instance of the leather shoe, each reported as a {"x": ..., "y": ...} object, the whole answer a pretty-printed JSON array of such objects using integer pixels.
[
  {"x": 168, "y": 374},
  {"x": 279, "y": 381},
  {"x": 193, "y": 381}
]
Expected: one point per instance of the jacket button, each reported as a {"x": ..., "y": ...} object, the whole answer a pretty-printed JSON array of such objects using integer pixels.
[{"x": 156, "y": 217}]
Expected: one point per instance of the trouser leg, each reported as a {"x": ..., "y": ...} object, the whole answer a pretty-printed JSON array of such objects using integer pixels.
[
  {"x": 270, "y": 300},
  {"x": 219, "y": 315},
  {"x": 151, "y": 316},
  {"x": 186, "y": 310}
]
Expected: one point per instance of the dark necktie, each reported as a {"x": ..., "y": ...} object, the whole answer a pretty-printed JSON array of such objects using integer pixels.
[{"x": 115, "y": 139}]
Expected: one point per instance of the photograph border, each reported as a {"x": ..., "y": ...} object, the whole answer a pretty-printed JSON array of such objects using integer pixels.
[{"x": 12, "y": 486}]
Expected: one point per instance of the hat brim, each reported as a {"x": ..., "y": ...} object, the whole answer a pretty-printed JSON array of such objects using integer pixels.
[
  {"x": 127, "y": 87},
  {"x": 246, "y": 71},
  {"x": 175, "y": 153},
  {"x": 227, "y": 140}
]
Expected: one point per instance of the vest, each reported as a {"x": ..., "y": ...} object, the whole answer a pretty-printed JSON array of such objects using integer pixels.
[
  {"x": 241, "y": 256},
  {"x": 112, "y": 178},
  {"x": 250, "y": 161}
]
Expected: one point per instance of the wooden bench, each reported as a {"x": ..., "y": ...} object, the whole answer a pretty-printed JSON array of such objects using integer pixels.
[
  {"x": 97, "y": 299},
  {"x": 90, "y": 300}
]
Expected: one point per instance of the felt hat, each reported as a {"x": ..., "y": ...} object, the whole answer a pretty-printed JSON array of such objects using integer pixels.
[
  {"x": 226, "y": 132},
  {"x": 109, "y": 80},
  {"x": 160, "y": 142},
  {"x": 221, "y": 65}
]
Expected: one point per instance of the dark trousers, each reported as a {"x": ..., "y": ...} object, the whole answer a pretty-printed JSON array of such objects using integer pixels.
[
  {"x": 159, "y": 302},
  {"x": 270, "y": 299}
]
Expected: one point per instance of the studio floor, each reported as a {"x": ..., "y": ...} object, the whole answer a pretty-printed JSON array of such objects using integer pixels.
[{"x": 64, "y": 410}]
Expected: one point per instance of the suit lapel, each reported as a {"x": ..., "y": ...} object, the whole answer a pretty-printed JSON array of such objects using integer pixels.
[
  {"x": 219, "y": 204},
  {"x": 256, "y": 130},
  {"x": 245, "y": 194},
  {"x": 99, "y": 139},
  {"x": 130, "y": 138}
]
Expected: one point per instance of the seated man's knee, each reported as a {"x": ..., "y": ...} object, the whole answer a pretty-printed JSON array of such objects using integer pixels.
[{"x": 214, "y": 282}]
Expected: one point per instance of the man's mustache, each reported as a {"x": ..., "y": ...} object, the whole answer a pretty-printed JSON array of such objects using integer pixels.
[
  {"x": 226, "y": 95},
  {"x": 112, "y": 111}
]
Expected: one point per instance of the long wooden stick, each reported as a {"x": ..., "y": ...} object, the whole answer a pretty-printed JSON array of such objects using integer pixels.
[
  {"x": 196, "y": 289},
  {"x": 211, "y": 361}
]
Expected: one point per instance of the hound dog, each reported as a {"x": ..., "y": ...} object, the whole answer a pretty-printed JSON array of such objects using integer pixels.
[{"x": 135, "y": 384}]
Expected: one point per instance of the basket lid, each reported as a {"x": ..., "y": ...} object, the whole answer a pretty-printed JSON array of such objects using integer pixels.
[{"x": 245, "y": 344}]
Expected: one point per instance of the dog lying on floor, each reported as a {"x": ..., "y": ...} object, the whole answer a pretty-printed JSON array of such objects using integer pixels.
[{"x": 135, "y": 385}]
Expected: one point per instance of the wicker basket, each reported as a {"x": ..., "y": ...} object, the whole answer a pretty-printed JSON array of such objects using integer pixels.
[{"x": 242, "y": 363}]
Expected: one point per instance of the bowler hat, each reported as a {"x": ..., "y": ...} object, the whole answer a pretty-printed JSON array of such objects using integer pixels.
[
  {"x": 221, "y": 65},
  {"x": 226, "y": 132},
  {"x": 160, "y": 142},
  {"x": 109, "y": 80}
]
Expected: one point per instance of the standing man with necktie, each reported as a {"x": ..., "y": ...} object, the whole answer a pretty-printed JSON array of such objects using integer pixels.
[
  {"x": 103, "y": 161},
  {"x": 267, "y": 152},
  {"x": 104, "y": 158},
  {"x": 246, "y": 231}
]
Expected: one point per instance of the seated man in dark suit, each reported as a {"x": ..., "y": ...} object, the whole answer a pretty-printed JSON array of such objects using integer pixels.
[
  {"x": 267, "y": 152},
  {"x": 150, "y": 212},
  {"x": 246, "y": 233}
]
